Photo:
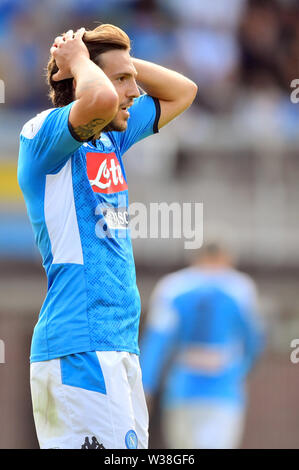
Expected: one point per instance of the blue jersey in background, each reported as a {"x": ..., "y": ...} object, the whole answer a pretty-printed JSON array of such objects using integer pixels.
[{"x": 205, "y": 326}]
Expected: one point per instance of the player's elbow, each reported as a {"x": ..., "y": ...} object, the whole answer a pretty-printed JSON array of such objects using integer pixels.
[
  {"x": 187, "y": 96},
  {"x": 191, "y": 92}
]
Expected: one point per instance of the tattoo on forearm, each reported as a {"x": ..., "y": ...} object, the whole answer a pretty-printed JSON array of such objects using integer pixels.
[{"x": 90, "y": 129}]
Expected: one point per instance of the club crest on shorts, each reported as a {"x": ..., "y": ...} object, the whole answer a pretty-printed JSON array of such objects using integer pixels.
[{"x": 131, "y": 439}]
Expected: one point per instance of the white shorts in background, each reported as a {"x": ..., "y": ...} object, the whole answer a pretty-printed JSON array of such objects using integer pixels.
[
  {"x": 203, "y": 425},
  {"x": 89, "y": 400}
]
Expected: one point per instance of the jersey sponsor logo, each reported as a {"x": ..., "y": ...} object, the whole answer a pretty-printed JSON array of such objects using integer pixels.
[
  {"x": 131, "y": 439},
  {"x": 104, "y": 173},
  {"x": 208, "y": 359},
  {"x": 116, "y": 217},
  {"x": 93, "y": 444},
  {"x": 111, "y": 219}
]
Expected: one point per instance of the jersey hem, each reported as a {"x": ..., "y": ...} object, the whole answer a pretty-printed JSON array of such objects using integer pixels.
[
  {"x": 233, "y": 401},
  {"x": 48, "y": 357}
]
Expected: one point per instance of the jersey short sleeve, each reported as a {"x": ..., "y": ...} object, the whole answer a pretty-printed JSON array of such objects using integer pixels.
[
  {"x": 48, "y": 139},
  {"x": 143, "y": 122}
]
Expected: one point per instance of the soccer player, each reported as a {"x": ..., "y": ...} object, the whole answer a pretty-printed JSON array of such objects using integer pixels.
[
  {"x": 202, "y": 337},
  {"x": 85, "y": 375}
]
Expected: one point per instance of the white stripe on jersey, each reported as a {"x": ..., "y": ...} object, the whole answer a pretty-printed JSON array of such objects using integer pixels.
[{"x": 61, "y": 218}]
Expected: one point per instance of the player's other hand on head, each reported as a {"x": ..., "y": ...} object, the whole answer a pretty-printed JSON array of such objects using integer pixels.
[{"x": 66, "y": 50}]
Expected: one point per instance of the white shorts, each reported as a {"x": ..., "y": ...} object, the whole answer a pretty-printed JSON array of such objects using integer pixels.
[
  {"x": 90, "y": 400},
  {"x": 204, "y": 425}
]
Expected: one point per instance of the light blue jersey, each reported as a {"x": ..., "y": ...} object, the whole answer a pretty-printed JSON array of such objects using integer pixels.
[
  {"x": 205, "y": 324},
  {"x": 77, "y": 201}
]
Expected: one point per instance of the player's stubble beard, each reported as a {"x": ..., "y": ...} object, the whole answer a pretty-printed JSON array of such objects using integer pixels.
[
  {"x": 113, "y": 125},
  {"x": 116, "y": 125}
]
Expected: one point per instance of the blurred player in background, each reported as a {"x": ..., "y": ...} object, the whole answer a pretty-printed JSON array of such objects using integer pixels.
[
  {"x": 202, "y": 336},
  {"x": 85, "y": 374}
]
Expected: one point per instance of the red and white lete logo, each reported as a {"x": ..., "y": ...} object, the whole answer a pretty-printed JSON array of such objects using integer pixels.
[{"x": 104, "y": 173}]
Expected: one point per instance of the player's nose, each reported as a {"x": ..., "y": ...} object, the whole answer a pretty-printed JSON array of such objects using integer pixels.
[{"x": 133, "y": 91}]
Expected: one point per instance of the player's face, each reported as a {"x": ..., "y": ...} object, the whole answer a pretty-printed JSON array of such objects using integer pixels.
[{"x": 118, "y": 66}]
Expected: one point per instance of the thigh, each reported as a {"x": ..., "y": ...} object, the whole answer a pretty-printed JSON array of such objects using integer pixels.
[
  {"x": 218, "y": 426},
  {"x": 126, "y": 399},
  {"x": 83, "y": 401},
  {"x": 203, "y": 425},
  {"x": 177, "y": 427}
]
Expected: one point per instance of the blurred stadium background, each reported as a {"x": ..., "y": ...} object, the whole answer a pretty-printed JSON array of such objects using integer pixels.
[{"x": 235, "y": 150}]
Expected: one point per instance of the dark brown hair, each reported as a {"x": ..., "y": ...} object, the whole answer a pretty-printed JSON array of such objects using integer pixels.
[{"x": 101, "y": 39}]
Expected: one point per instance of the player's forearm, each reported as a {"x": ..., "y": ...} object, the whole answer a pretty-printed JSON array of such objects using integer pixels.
[
  {"x": 96, "y": 99},
  {"x": 163, "y": 83},
  {"x": 91, "y": 80}
]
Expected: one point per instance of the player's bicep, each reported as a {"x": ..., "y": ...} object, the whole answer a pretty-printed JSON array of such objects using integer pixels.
[{"x": 170, "y": 110}]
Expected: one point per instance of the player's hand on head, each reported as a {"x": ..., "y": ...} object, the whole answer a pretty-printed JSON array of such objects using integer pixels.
[{"x": 65, "y": 50}]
